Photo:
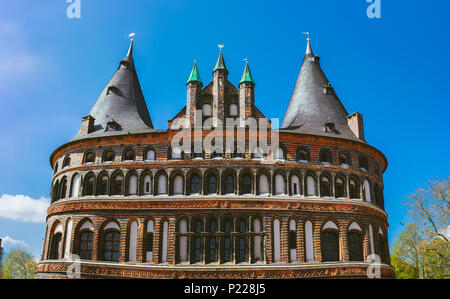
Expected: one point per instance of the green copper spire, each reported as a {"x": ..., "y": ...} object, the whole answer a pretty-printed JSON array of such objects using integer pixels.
[
  {"x": 195, "y": 75},
  {"x": 220, "y": 65},
  {"x": 247, "y": 76}
]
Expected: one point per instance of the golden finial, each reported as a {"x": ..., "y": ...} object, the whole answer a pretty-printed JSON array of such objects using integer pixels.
[
  {"x": 246, "y": 60},
  {"x": 132, "y": 36}
]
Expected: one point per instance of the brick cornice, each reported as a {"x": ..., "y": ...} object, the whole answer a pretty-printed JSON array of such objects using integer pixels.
[{"x": 289, "y": 205}]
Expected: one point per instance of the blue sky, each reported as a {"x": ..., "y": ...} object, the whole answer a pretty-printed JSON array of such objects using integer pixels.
[{"x": 394, "y": 70}]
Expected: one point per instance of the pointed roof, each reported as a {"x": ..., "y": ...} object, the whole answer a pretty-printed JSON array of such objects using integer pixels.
[
  {"x": 247, "y": 76},
  {"x": 314, "y": 104},
  {"x": 195, "y": 75},
  {"x": 121, "y": 102},
  {"x": 220, "y": 65}
]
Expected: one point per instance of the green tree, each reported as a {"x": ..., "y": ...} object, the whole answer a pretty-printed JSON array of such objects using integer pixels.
[
  {"x": 423, "y": 247},
  {"x": 19, "y": 264}
]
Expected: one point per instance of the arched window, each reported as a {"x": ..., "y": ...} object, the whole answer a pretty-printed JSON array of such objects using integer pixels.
[
  {"x": 355, "y": 249},
  {"x": 257, "y": 252},
  {"x": 103, "y": 185},
  {"x": 325, "y": 156},
  {"x": 241, "y": 242},
  {"x": 63, "y": 188},
  {"x": 132, "y": 249},
  {"x": 149, "y": 245},
  {"x": 239, "y": 152},
  {"x": 309, "y": 245},
  {"x": 363, "y": 163},
  {"x": 280, "y": 154},
  {"x": 258, "y": 153},
  {"x": 229, "y": 184},
  {"x": 176, "y": 153},
  {"x": 353, "y": 189},
  {"x": 162, "y": 185},
  {"x": 207, "y": 110},
  {"x": 384, "y": 252},
  {"x": 310, "y": 186},
  {"x": 117, "y": 184},
  {"x": 197, "y": 150},
  {"x": 89, "y": 158},
  {"x": 344, "y": 159},
  {"x": 147, "y": 184},
  {"x": 75, "y": 186},
  {"x": 366, "y": 191},
  {"x": 233, "y": 110},
  {"x": 197, "y": 238},
  {"x": 182, "y": 229},
  {"x": 66, "y": 162},
  {"x": 178, "y": 185},
  {"x": 55, "y": 192},
  {"x": 295, "y": 185},
  {"x": 330, "y": 243},
  {"x": 111, "y": 242},
  {"x": 303, "y": 155},
  {"x": 129, "y": 155},
  {"x": 89, "y": 183},
  {"x": 280, "y": 185},
  {"x": 150, "y": 155},
  {"x": 276, "y": 241},
  {"x": 339, "y": 188},
  {"x": 263, "y": 185},
  {"x": 227, "y": 241},
  {"x": 292, "y": 241},
  {"x": 212, "y": 184},
  {"x": 109, "y": 156},
  {"x": 164, "y": 241},
  {"x": 86, "y": 241},
  {"x": 195, "y": 184},
  {"x": 325, "y": 186},
  {"x": 68, "y": 236},
  {"x": 212, "y": 244},
  {"x": 55, "y": 248},
  {"x": 246, "y": 184}
]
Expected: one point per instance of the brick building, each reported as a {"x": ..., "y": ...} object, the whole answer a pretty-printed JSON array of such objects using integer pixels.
[{"x": 131, "y": 204}]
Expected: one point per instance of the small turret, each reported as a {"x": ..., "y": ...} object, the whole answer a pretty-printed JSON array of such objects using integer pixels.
[
  {"x": 220, "y": 74},
  {"x": 246, "y": 94},
  {"x": 194, "y": 88}
]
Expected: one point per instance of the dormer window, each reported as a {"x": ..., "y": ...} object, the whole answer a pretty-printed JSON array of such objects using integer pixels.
[
  {"x": 113, "y": 126},
  {"x": 124, "y": 63},
  {"x": 112, "y": 90},
  {"x": 329, "y": 128}
]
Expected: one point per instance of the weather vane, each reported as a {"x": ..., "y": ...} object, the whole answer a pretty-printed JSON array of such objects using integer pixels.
[
  {"x": 246, "y": 60},
  {"x": 132, "y": 36},
  {"x": 221, "y": 47},
  {"x": 307, "y": 34}
]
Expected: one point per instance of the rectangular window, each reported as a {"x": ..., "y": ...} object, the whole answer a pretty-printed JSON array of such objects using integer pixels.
[{"x": 147, "y": 187}]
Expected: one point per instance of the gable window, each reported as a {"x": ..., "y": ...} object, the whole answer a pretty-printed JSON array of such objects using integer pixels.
[
  {"x": 207, "y": 110},
  {"x": 233, "y": 110}
]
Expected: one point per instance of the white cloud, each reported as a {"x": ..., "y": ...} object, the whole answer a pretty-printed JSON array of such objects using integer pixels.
[
  {"x": 15, "y": 58},
  {"x": 9, "y": 244},
  {"x": 23, "y": 208}
]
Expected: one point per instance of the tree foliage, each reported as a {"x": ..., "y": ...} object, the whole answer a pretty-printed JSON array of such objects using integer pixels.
[
  {"x": 423, "y": 249},
  {"x": 19, "y": 264}
]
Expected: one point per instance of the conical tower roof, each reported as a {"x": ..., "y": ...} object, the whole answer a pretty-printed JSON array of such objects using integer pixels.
[
  {"x": 195, "y": 75},
  {"x": 121, "y": 103},
  {"x": 247, "y": 75},
  {"x": 220, "y": 64},
  {"x": 314, "y": 103}
]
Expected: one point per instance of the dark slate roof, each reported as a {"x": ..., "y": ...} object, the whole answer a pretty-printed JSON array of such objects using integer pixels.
[
  {"x": 121, "y": 101},
  {"x": 314, "y": 103}
]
